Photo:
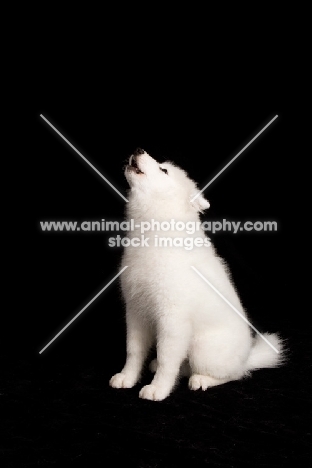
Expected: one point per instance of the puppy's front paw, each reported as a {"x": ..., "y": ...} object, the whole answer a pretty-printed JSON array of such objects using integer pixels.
[
  {"x": 153, "y": 392},
  {"x": 121, "y": 381}
]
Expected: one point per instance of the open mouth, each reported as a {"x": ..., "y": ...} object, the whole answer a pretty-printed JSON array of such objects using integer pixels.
[{"x": 133, "y": 165}]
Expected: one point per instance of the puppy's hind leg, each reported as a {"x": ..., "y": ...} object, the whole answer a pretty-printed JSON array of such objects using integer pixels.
[
  {"x": 212, "y": 363},
  {"x": 197, "y": 381},
  {"x": 139, "y": 341}
]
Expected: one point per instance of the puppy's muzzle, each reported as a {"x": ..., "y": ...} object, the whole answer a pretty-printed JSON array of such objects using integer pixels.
[
  {"x": 138, "y": 151},
  {"x": 134, "y": 161}
]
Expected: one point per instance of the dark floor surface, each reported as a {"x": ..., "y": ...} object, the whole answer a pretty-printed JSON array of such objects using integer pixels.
[{"x": 60, "y": 411}]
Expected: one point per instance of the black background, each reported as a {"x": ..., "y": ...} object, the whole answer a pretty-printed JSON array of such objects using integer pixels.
[
  {"x": 58, "y": 405},
  {"x": 71, "y": 268}
]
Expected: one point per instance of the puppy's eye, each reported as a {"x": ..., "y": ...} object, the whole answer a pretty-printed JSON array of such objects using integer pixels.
[{"x": 164, "y": 170}]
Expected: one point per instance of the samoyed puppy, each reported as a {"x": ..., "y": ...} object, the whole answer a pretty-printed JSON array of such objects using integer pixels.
[{"x": 199, "y": 329}]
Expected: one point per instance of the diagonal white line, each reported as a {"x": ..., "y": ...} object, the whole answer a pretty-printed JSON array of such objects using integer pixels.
[
  {"x": 227, "y": 165},
  {"x": 234, "y": 308},
  {"x": 82, "y": 310},
  {"x": 85, "y": 159}
]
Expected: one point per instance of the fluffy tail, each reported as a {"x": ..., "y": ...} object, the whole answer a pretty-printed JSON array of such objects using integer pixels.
[{"x": 263, "y": 355}]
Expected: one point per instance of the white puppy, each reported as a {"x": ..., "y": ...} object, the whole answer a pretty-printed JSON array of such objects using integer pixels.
[{"x": 168, "y": 305}]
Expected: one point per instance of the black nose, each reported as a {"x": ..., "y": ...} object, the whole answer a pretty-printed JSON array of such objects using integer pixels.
[{"x": 138, "y": 151}]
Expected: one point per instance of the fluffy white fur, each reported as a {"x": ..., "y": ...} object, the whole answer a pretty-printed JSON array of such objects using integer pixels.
[{"x": 168, "y": 305}]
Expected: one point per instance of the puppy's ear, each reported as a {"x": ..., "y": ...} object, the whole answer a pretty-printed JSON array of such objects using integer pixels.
[{"x": 199, "y": 203}]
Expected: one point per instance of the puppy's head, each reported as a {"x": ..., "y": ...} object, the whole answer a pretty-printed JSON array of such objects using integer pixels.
[{"x": 164, "y": 182}]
